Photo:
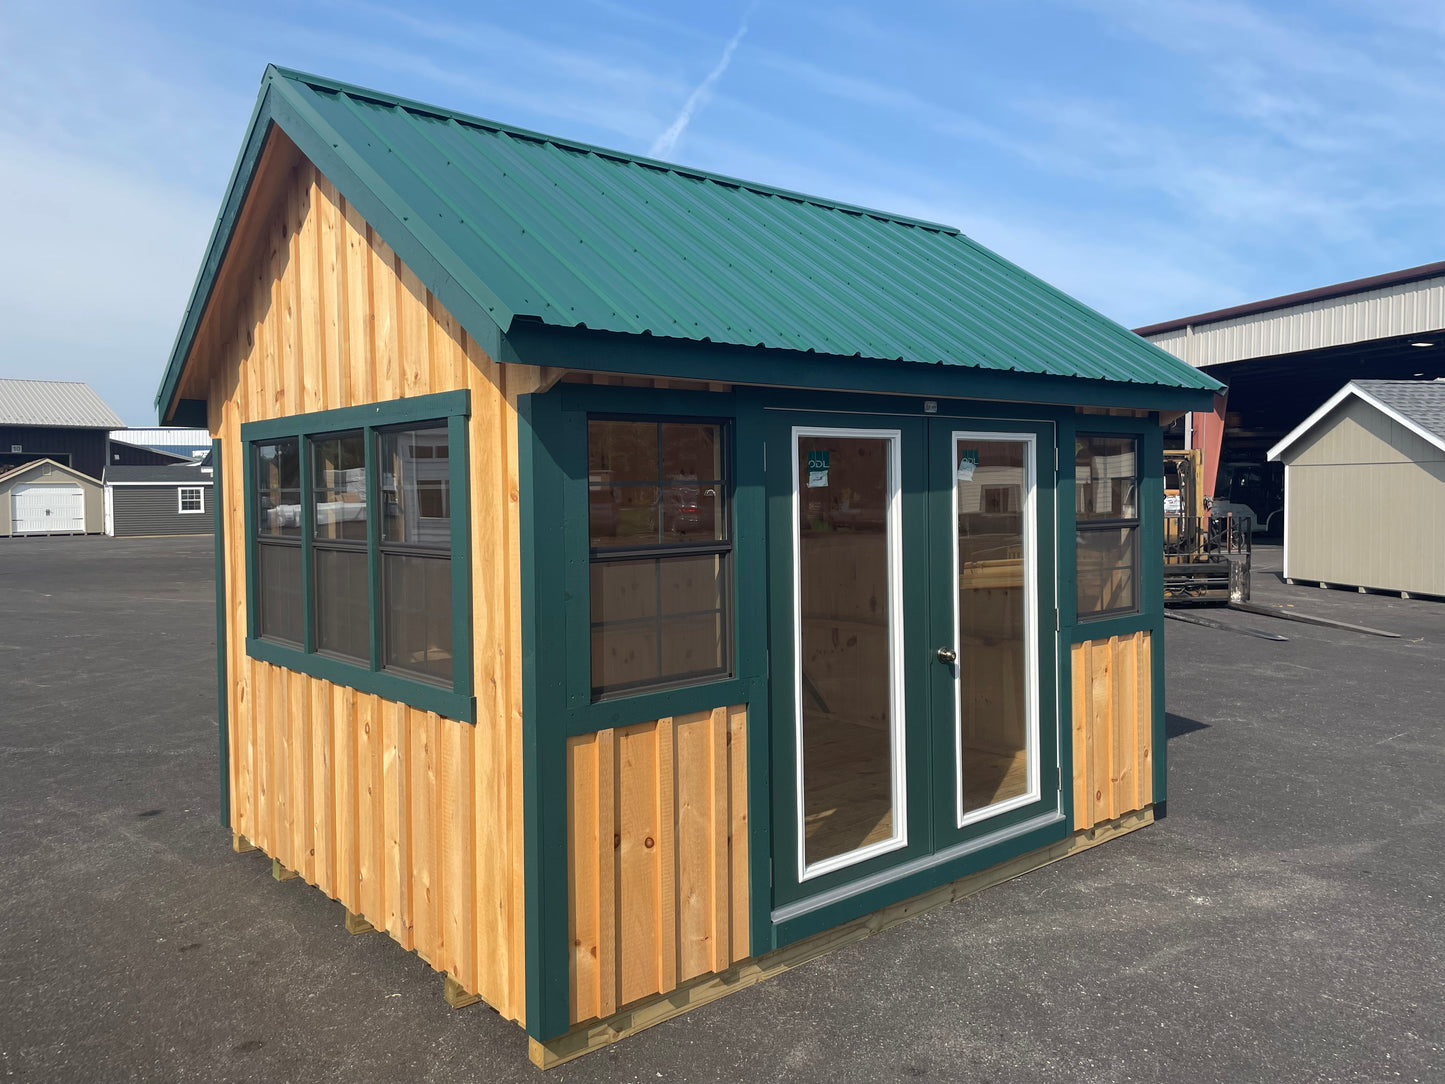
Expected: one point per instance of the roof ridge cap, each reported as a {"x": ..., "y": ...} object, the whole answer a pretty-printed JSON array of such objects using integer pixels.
[{"x": 757, "y": 187}]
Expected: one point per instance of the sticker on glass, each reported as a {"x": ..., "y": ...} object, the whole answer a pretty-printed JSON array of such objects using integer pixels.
[
  {"x": 817, "y": 469},
  {"x": 967, "y": 464}
]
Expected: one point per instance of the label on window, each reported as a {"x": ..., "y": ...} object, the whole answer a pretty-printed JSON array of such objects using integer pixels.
[
  {"x": 817, "y": 469},
  {"x": 967, "y": 464}
]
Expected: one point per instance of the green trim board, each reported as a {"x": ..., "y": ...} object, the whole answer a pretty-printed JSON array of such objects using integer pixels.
[
  {"x": 223, "y": 690},
  {"x": 607, "y": 240},
  {"x": 532, "y": 343},
  {"x": 454, "y": 700}
]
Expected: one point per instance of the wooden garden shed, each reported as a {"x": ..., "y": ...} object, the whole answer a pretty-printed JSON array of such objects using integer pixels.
[{"x": 633, "y": 581}]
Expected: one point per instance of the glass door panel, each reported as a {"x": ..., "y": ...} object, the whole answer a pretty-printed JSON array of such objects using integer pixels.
[
  {"x": 995, "y": 614},
  {"x": 848, "y": 672}
]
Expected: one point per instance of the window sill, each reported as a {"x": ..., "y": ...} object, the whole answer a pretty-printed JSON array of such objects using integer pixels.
[
  {"x": 643, "y": 707},
  {"x": 385, "y": 684}
]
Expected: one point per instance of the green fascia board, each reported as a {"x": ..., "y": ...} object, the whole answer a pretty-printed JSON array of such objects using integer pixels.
[
  {"x": 223, "y": 687},
  {"x": 579, "y": 236},
  {"x": 533, "y": 343}
]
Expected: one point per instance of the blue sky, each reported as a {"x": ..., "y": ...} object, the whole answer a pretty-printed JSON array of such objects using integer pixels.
[{"x": 1156, "y": 158}]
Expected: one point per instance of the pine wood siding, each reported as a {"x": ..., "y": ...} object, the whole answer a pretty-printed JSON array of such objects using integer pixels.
[
  {"x": 658, "y": 857},
  {"x": 409, "y": 819},
  {"x": 1113, "y": 728}
]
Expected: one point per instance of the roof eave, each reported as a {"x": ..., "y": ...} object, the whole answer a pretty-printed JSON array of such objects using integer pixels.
[
  {"x": 1363, "y": 395},
  {"x": 469, "y": 300}
]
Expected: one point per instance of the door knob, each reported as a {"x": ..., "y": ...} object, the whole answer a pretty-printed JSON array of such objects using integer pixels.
[{"x": 948, "y": 655}]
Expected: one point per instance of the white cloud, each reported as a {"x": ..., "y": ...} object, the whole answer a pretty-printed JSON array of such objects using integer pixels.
[{"x": 663, "y": 146}]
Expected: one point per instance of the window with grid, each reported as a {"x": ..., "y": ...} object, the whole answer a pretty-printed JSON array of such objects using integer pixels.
[
  {"x": 661, "y": 552},
  {"x": 191, "y": 499},
  {"x": 1106, "y": 514},
  {"x": 353, "y": 537}
]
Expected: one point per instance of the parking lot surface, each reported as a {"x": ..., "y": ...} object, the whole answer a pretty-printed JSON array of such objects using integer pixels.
[{"x": 1285, "y": 922}]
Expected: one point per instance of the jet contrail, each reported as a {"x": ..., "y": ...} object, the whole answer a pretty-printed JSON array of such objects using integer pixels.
[{"x": 663, "y": 145}]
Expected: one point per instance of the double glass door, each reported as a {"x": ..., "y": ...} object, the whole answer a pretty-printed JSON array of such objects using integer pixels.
[{"x": 910, "y": 711}]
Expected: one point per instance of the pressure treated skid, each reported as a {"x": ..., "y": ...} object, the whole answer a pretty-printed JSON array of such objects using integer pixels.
[{"x": 590, "y": 866}]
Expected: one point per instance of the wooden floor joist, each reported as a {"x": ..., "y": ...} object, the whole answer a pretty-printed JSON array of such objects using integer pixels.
[
  {"x": 280, "y": 872},
  {"x": 240, "y": 844},
  {"x": 357, "y": 924},
  {"x": 595, "y": 1034}
]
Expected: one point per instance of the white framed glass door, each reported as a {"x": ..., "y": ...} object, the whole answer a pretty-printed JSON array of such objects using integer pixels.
[{"x": 848, "y": 694}]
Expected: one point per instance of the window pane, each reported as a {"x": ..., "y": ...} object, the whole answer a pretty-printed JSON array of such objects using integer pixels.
[
  {"x": 1106, "y": 478},
  {"x": 417, "y": 636},
  {"x": 415, "y": 487},
  {"x": 338, "y": 485},
  {"x": 190, "y": 500},
  {"x": 278, "y": 489},
  {"x": 342, "y": 605},
  {"x": 278, "y": 568},
  {"x": 657, "y": 620},
  {"x": 622, "y": 515},
  {"x": 1108, "y": 572},
  {"x": 693, "y": 512},
  {"x": 624, "y": 451},
  {"x": 691, "y": 451}
]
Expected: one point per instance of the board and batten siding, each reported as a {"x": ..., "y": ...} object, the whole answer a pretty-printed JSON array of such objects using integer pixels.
[
  {"x": 153, "y": 510},
  {"x": 657, "y": 854},
  {"x": 410, "y": 820},
  {"x": 1365, "y": 504},
  {"x": 1113, "y": 716}
]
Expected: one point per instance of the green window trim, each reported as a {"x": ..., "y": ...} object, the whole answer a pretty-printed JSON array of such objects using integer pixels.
[{"x": 451, "y": 409}]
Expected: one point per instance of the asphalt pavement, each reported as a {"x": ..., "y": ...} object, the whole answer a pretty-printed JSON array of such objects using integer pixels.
[{"x": 1285, "y": 922}]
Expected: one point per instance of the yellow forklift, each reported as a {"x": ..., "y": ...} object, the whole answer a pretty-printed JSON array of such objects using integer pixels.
[{"x": 1206, "y": 556}]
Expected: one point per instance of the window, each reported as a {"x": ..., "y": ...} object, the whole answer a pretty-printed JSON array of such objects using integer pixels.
[
  {"x": 353, "y": 534},
  {"x": 192, "y": 499},
  {"x": 1106, "y": 512},
  {"x": 661, "y": 550}
]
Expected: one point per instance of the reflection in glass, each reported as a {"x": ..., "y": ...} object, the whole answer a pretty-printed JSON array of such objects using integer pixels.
[
  {"x": 338, "y": 486},
  {"x": 1106, "y": 505},
  {"x": 845, "y": 651},
  {"x": 415, "y": 487},
  {"x": 278, "y": 489},
  {"x": 992, "y": 487},
  {"x": 651, "y": 483},
  {"x": 1106, "y": 478}
]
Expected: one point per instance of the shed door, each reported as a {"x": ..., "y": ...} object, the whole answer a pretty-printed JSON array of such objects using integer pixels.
[
  {"x": 48, "y": 509},
  {"x": 912, "y": 659}
]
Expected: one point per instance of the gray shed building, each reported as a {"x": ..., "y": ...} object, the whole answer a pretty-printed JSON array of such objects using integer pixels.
[
  {"x": 1364, "y": 497},
  {"x": 158, "y": 500}
]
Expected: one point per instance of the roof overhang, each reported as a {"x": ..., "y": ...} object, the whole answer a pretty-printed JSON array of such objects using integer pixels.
[
  {"x": 1349, "y": 390},
  {"x": 280, "y": 106},
  {"x": 283, "y": 107}
]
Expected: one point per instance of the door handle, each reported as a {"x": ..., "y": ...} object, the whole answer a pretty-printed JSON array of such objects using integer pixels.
[{"x": 948, "y": 655}]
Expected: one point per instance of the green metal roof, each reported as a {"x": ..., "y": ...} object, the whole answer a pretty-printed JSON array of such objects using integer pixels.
[{"x": 516, "y": 224}]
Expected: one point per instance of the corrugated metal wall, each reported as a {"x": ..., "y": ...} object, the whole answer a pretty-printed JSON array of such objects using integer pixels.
[
  {"x": 143, "y": 510},
  {"x": 1365, "y": 505},
  {"x": 1375, "y": 314}
]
